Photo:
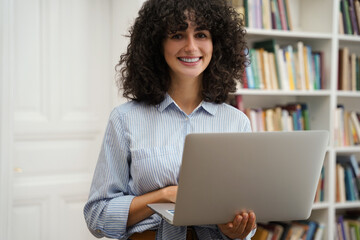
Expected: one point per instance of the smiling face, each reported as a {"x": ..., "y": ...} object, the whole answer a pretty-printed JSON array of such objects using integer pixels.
[{"x": 188, "y": 52}]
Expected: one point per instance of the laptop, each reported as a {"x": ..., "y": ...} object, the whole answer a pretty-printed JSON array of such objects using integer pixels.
[{"x": 274, "y": 174}]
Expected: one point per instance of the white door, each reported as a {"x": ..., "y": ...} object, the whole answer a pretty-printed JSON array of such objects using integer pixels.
[{"x": 57, "y": 59}]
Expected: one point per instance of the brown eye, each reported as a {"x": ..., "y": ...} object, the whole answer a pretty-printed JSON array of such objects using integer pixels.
[
  {"x": 201, "y": 35},
  {"x": 176, "y": 36}
]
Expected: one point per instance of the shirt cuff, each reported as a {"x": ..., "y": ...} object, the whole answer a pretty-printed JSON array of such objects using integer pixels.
[{"x": 116, "y": 216}]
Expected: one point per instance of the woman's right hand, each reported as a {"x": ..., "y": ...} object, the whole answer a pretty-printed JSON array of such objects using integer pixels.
[
  {"x": 170, "y": 193},
  {"x": 138, "y": 208}
]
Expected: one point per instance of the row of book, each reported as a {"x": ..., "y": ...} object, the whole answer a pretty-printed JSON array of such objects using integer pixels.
[
  {"x": 287, "y": 68},
  {"x": 347, "y": 178},
  {"x": 346, "y": 127},
  {"x": 265, "y": 14},
  {"x": 290, "y": 117},
  {"x": 290, "y": 230},
  {"x": 349, "y": 17},
  {"x": 320, "y": 193},
  {"x": 348, "y": 226},
  {"x": 349, "y": 70}
]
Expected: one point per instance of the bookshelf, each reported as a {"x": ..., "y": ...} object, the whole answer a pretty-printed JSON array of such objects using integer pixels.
[{"x": 315, "y": 23}]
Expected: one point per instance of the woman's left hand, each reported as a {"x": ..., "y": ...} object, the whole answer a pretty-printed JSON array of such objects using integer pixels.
[{"x": 240, "y": 227}]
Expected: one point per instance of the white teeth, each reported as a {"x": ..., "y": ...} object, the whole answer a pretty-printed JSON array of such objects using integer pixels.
[{"x": 189, "y": 60}]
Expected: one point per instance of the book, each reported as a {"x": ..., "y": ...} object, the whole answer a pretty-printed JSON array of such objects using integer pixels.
[
  {"x": 266, "y": 13},
  {"x": 271, "y": 47},
  {"x": 344, "y": 62},
  {"x": 356, "y": 122},
  {"x": 358, "y": 69},
  {"x": 354, "y": 226},
  {"x": 346, "y": 13},
  {"x": 341, "y": 23},
  {"x": 357, "y": 11},
  {"x": 283, "y": 21},
  {"x": 273, "y": 71},
  {"x": 260, "y": 69},
  {"x": 276, "y": 12},
  {"x": 255, "y": 68},
  {"x": 288, "y": 51},
  {"x": 354, "y": 23},
  {"x": 351, "y": 161},
  {"x": 300, "y": 55},
  {"x": 288, "y": 15},
  {"x": 246, "y": 9},
  {"x": 305, "y": 115},
  {"x": 284, "y": 83},
  {"x": 342, "y": 10},
  {"x": 319, "y": 231},
  {"x": 261, "y": 233},
  {"x": 340, "y": 184},
  {"x": 250, "y": 78},
  {"x": 353, "y": 71}
]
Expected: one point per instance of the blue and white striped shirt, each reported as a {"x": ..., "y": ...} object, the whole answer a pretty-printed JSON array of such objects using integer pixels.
[{"x": 141, "y": 152}]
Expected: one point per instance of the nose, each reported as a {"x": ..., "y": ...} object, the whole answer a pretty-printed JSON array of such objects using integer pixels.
[{"x": 190, "y": 45}]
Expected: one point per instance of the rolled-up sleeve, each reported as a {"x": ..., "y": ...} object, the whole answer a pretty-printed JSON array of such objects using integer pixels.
[{"x": 106, "y": 211}]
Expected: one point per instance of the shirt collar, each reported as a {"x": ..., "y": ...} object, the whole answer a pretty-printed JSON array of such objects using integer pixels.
[{"x": 209, "y": 107}]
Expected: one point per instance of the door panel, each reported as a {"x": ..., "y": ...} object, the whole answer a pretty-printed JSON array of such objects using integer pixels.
[{"x": 60, "y": 62}]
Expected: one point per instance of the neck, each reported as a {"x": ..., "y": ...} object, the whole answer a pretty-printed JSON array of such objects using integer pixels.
[{"x": 186, "y": 93}]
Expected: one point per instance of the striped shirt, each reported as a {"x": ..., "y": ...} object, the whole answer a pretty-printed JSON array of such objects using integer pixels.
[{"x": 141, "y": 152}]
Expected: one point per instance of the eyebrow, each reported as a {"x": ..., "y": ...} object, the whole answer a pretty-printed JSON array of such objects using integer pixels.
[{"x": 196, "y": 29}]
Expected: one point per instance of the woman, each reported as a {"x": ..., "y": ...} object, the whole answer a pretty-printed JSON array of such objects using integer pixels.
[{"x": 181, "y": 63}]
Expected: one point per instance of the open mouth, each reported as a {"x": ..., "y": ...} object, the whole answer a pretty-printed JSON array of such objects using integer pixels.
[{"x": 190, "y": 60}]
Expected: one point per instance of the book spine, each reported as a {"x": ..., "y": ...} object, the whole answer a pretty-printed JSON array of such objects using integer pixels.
[
  {"x": 317, "y": 71},
  {"x": 353, "y": 17},
  {"x": 358, "y": 73},
  {"x": 310, "y": 68},
  {"x": 353, "y": 72},
  {"x": 357, "y": 11},
  {"x": 342, "y": 10},
  {"x": 290, "y": 72},
  {"x": 288, "y": 15},
  {"x": 246, "y": 7},
  {"x": 277, "y": 15},
  {"x": 254, "y": 67},
  {"x": 356, "y": 123},
  {"x": 249, "y": 77},
  {"x": 282, "y": 14},
  {"x": 347, "y": 17},
  {"x": 300, "y": 50}
]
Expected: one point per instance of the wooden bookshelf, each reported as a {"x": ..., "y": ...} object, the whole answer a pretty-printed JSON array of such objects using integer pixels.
[{"x": 315, "y": 23}]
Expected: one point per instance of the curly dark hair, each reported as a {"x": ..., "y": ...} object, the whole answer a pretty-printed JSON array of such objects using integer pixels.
[{"x": 143, "y": 73}]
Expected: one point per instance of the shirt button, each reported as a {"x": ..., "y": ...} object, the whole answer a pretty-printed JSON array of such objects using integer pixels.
[{"x": 98, "y": 231}]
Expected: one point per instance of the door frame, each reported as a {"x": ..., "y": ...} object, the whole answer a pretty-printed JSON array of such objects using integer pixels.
[{"x": 6, "y": 123}]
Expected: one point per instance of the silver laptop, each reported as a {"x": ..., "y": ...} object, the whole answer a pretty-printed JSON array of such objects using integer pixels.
[{"x": 275, "y": 174}]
